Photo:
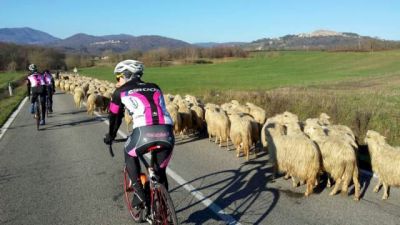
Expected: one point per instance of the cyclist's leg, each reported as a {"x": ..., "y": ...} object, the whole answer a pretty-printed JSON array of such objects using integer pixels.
[
  {"x": 161, "y": 163},
  {"x": 50, "y": 96},
  {"x": 133, "y": 167},
  {"x": 43, "y": 103},
  {"x": 33, "y": 100}
]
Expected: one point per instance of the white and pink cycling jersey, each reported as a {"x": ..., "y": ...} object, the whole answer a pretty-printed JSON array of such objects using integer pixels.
[
  {"x": 36, "y": 79},
  {"x": 47, "y": 79},
  {"x": 145, "y": 103}
]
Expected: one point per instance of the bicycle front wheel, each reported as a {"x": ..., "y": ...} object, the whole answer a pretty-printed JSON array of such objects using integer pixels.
[{"x": 163, "y": 207}]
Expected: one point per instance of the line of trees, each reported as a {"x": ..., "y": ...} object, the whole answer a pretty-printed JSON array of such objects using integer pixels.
[
  {"x": 15, "y": 57},
  {"x": 164, "y": 56}
]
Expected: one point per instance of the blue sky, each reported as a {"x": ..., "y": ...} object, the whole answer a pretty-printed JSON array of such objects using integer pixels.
[{"x": 204, "y": 20}]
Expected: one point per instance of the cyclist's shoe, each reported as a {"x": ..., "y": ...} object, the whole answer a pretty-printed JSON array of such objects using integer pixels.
[
  {"x": 42, "y": 122},
  {"x": 139, "y": 196},
  {"x": 32, "y": 109}
]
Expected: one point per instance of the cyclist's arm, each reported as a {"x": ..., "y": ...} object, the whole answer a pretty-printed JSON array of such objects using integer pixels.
[
  {"x": 28, "y": 86},
  {"x": 116, "y": 114}
]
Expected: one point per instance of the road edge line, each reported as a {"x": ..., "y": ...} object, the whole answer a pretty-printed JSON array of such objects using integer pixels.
[{"x": 11, "y": 119}]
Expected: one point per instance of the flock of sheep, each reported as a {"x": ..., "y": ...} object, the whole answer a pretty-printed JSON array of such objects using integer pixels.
[{"x": 302, "y": 150}]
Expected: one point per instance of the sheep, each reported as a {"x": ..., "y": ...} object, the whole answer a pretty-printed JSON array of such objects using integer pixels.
[
  {"x": 279, "y": 119},
  {"x": 240, "y": 134},
  {"x": 78, "y": 98},
  {"x": 255, "y": 130},
  {"x": 338, "y": 159},
  {"x": 192, "y": 100},
  {"x": 334, "y": 130},
  {"x": 186, "y": 116},
  {"x": 198, "y": 117},
  {"x": 172, "y": 109},
  {"x": 91, "y": 103},
  {"x": 217, "y": 124},
  {"x": 296, "y": 155},
  {"x": 384, "y": 161},
  {"x": 95, "y": 101},
  {"x": 257, "y": 113},
  {"x": 57, "y": 83}
]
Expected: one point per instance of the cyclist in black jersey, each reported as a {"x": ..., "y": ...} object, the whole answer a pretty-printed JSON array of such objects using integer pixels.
[{"x": 152, "y": 124}]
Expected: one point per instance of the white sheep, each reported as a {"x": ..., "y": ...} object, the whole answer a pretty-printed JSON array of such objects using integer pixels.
[
  {"x": 240, "y": 134},
  {"x": 384, "y": 160},
  {"x": 296, "y": 155},
  {"x": 338, "y": 159}
]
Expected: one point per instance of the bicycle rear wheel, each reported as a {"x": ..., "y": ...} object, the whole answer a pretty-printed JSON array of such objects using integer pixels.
[
  {"x": 163, "y": 207},
  {"x": 129, "y": 191}
]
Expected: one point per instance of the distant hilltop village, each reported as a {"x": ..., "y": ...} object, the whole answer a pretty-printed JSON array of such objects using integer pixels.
[
  {"x": 321, "y": 33},
  {"x": 106, "y": 42}
]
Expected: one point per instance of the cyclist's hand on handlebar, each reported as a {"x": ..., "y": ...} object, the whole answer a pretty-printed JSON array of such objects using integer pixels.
[{"x": 108, "y": 139}]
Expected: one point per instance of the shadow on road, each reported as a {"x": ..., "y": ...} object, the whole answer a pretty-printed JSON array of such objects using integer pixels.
[
  {"x": 241, "y": 188},
  {"x": 71, "y": 123}
]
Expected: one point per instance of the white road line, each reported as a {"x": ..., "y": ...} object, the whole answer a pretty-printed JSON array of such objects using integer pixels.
[
  {"x": 192, "y": 190},
  {"x": 12, "y": 118}
]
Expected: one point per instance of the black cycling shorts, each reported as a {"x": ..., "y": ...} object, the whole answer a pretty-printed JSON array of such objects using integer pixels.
[{"x": 143, "y": 138}]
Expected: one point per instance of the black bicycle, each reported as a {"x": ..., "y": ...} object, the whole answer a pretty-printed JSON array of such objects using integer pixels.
[{"x": 162, "y": 210}]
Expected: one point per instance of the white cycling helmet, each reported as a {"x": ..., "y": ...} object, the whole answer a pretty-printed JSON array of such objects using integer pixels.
[
  {"x": 129, "y": 68},
  {"x": 32, "y": 67}
]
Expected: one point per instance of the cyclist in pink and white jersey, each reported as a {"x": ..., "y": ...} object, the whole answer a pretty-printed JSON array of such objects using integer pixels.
[
  {"x": 152, "y": 124},
  {"x": 50, "y": 87},
  {"x": 36, "y": 88}
]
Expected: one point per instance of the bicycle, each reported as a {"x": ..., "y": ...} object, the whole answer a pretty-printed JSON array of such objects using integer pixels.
[{"x": 162, "y": 210}]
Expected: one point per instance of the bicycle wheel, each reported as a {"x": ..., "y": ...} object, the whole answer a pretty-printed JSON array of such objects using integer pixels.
[
  {"x": 137, "y": 216},
  {"x": 163, "y": 207}
]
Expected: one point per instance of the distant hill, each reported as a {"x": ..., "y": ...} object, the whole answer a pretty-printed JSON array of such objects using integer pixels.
[
  {"x": 83, "y": 43},
  {"x": 89, "y": 44},
  {"x": 26, "y": 35},
  {"x": 216, "y": 44},
  {"x": 323, "y": 40}
]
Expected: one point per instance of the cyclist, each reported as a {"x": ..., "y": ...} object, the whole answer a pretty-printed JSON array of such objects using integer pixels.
[
  {"x": 37, "y": 88},
  {"x": 152, "y": 124},
  {"x": 50, "y": 87}
]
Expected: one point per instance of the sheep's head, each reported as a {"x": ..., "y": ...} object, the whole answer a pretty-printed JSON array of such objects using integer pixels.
[
  {"x": 324, "y": 119},
  {"x": 288, "y": 116},
  {"x": 375, "y": 137},
  {"x": 314, "y": 130}
]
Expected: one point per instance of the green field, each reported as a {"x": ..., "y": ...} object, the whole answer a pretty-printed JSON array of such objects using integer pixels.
[
  {"x": 7, "y": 103},
  {"x": 265, "y": 71},
  {"x": 5, "y": 78},
  {"x": 360, "y": 90}
]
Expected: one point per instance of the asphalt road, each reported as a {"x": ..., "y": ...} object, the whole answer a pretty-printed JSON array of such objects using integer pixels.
[{"x": 63, "y": 174}]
